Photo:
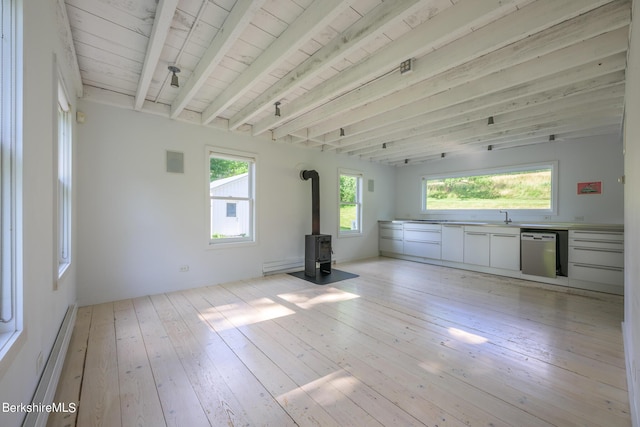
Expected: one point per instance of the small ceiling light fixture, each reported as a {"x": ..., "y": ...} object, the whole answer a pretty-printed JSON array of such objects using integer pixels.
[
  {"x": 174, "y": 78},
  {"x": 552, "y": 137},
  {"x": 341, "y": 131},
  {"x": 406, "y": 161},
  {"x": 489, "y": 147},
  {"x": 442, "y": 156},
  {"x": 384, "y": 145},
  {"x": 490, "y": 122},
  {"x": 277, "y": 104}
]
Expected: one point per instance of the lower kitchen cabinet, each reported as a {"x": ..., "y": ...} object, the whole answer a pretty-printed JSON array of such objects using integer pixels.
[
  {"x": 390, "y": 238},
  {"x": 452, "y": 243},
  {"x": 505, "y": 249},
  {"x": 598, "y": 257},
  {"x": 422, "y": 240},
  {"x": 477, "y": 243}
]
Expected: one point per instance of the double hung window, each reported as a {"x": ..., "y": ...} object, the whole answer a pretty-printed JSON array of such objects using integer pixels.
[
  {"x": 232, "y": 197},
  {"x": 350, "y": 205}
]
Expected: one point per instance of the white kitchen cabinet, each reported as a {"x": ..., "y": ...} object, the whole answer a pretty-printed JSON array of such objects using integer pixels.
[
  {"x": 505, "y": 248},
  {"x": 452, "y": 242},
  {"x": 477, "y": 243},
  {"x": 598, "y": 257},
  {"x": 422, "y": 240},
  {"x": 390, "y": 237}
]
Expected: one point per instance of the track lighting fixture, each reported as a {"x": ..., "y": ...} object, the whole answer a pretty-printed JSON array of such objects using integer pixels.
[
  {"x": 490, "y": 122},
  {"x": 552, "y": 137},
  {"x": 277, "y": 104},
  {"x": 442, "y": 155},
  {"x": 490, "y": 147},
  {"x": 384, "y": 145},
  {"x": 341, "y": 131},
  {"x": 174, "y": 78},
  {"x": 406, "y": 161}
]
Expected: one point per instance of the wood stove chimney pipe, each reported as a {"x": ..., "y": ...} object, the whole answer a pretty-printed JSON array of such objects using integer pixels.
[{"x": 315, "y": 198}]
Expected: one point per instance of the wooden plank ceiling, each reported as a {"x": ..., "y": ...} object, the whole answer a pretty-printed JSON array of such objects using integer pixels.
[{"x": 537, "y": 70}]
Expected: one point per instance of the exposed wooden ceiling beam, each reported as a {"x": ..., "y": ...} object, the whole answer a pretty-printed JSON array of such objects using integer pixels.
[
  {"x": 370, "y": 25},
  {"x": 561, "y": 83},
  {"x": 553, "y": 99},
  {"x": 479, "y": 133},
  {"x": 66, "y": 40},
  {"x": 524, "y": 108},
  {"x": 453, "y": 21},
  {"x": 607, "y": 126},
  {"x": 161, "y": 26},
  {"x": 313, "y": 19},
  {"x": 529, "y": 20},
  {"x": 409, "y": 103},
  {"x": 236, "y": 22},
  {"x": 449, "y": 103}
]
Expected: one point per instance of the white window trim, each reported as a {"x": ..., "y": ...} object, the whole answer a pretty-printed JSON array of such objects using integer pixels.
[
  {"x": 228, "y": 154},
  {"x": 12, "y": 334},
  {"x": 359, "y": 202},
  {"x": 518, "y": 168},
  {"x": 64, "y": 181}
]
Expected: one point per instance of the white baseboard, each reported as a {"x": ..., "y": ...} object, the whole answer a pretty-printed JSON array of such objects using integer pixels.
[
  {"x": 282, "y": 266},
  {"x": 632, "y": 378},
  {"x": 46, "y": 390}
]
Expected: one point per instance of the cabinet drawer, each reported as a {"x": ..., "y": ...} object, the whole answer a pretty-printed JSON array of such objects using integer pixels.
[
  {"x": 421, "y": 236},
  {"x": 422, "y": 227},
  {"x": 590, "y": 273},
  {"x": 596, "y": 256},
  {"x": 597, "y": 244},
  {"x": 390, "y": 245},
  {"x": 597, "y": 235},
  {"x": 391, "y": 233},
  {"x": 422, "y": 249}
]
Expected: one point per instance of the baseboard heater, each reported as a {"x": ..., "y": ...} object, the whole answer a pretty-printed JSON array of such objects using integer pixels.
[
  {"x": 46, "y": 390},
  {"x": 282, "y": 266}
]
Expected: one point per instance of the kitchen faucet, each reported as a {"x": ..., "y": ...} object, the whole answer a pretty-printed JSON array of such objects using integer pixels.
[{"x": 507, "y": 220}]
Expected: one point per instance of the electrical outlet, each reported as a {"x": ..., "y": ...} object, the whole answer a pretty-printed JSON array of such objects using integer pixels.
[{"x": 184, "y": 268}]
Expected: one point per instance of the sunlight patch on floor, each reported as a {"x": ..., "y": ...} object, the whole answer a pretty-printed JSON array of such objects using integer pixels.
[
  {"x": 242, "y": 315},
  {"x": 330, "y": 295},
  {"x": 467, "y": 337}
]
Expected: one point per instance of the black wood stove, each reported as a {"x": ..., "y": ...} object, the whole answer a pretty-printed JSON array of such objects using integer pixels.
[{"x": 317, "y": 247}]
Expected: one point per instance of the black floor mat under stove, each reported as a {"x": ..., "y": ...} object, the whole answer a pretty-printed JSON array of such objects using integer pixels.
[{"x": 325, "y": 279}]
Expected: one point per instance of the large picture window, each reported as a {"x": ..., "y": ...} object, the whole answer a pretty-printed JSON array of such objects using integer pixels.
[
  {"x": 232, "y": 197},
  {"x": 524, "y": 188},
  {"x": 350, "y": 206}
]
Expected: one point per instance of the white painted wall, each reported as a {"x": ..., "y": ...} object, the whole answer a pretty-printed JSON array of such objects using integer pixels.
[
  {"x": 587, "y": 159},
  {"x": 139, "y": 224},
  {"x": 632, "y": 218},
  {"x": 43, "y": 307}
]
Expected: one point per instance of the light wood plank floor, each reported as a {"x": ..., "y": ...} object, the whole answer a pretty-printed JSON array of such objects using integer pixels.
[{"x": 403, "y": 344}]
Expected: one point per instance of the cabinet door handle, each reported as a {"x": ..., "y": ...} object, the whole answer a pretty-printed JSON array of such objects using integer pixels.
[
  {"x": 598, "y": 267},
  {"x": 615, "y": 242},
  {"x": 615, "y": 251},
  {"x": 475, "y": 233},
  {"x": 505, "y": 235}
]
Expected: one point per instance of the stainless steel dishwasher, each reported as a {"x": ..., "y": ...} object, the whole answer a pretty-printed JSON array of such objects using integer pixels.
[{"x": 538, "y": 255}]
